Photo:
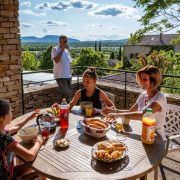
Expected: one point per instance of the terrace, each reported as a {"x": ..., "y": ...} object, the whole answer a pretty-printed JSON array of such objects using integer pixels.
[{"x": 23, "y": 92}]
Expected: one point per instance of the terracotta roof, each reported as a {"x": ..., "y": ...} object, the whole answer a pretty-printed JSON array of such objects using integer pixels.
[{"x": 164, "y": 39}]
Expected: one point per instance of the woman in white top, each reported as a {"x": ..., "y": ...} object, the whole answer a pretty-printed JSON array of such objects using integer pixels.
[{"x": 149, "y": 78}]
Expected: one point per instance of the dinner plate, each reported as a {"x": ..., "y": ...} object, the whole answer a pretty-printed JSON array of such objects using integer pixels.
[
  {"x": 110, "y": 122},
  {"x": 95, "y": 149},
  {"x": 97, "y": 111},
  {"x": 103, "y": 113}
]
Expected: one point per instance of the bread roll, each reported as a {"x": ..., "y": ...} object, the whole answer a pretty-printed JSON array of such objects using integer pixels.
[
  {"x": 106, "y": 146},
  {"x": 95, "y": 123},
  {"x": 116, "y": 154},
  {"x": 119, "y": 147},
  {"x": 108, "y": 157},
  {"x": 100, "y": 154}
]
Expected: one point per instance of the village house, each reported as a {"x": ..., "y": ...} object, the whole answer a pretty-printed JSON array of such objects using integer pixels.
[{"x": 149, "y": 42}]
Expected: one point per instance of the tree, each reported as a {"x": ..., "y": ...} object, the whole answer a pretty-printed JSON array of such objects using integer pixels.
[
  {"x": 95, "y": 46},
  {"x": 89, "y": 57},
  {"x": 177, "y": 40},
  {"x": 160, "y": 16},
  {"x": 166, "y": 61},
  {"x": 120, "y": 54},
  {"x": 112, "y": 56},
  {"x": 29, "y": 61},
  {"x": 46, "y": 62},
  {"x": 99, "y": 45}
]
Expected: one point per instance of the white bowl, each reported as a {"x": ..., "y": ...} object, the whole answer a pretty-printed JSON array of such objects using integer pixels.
[
  {"x": 98, "y": 133},
  {"x": 28, "y": 134}
]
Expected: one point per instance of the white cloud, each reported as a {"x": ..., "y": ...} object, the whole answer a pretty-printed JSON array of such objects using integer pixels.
[
  {"x": 115, "y": 28},
  {"x": 54, "y": 23},
  {"x": 62, "y": 5},
  {"x": 26, "y": 4},
  {"x": 27, "y": 25},
  {"x": 30, "y": 12},
  {"x": 115, "y": 10},
  {"x": 105, "y": 36},
  {"x": 93, "y": 26}
]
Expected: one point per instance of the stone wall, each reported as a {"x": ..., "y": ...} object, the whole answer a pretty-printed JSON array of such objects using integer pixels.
[
  {"x": 131, "y": 95},
  {"x": 134, "y": 49},
  {"x": 10, "y": 55},
  {"x": 45, "y": 96},
  {"x": 119, "y": 93}
]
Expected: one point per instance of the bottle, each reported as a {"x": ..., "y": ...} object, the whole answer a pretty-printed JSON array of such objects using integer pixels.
[
  {"x": 64, "y": 114},
  {"x": 148, "y": 127}
]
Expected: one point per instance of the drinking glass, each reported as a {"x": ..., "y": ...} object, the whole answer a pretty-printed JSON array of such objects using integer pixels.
[
  {"x": 89, "y": 111},
  {"x": 119, "y": 130},
  {"x": 126, "y": 121},
  {"x": 45, "y": 129}
]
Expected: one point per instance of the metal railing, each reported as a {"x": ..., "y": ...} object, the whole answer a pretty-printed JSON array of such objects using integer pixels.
[{"x": 104, "y": 74}]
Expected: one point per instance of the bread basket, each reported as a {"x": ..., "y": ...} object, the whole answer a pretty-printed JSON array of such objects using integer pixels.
[{"x": 94, "y": 132}]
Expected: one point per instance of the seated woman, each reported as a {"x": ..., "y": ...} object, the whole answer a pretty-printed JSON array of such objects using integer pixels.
[
  {"x": 9, "y": 147},
  {"x": 90, "y": 92},
  {"x": 149, "y": 78}
]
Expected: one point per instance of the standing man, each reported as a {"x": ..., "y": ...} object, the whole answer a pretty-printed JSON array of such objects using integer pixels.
[{"x": 62, "y": 70}]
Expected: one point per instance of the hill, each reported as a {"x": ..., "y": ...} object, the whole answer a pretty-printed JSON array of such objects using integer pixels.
[
  {"x": 53, "y": 39},
  {"x": 47, "y": 38}
]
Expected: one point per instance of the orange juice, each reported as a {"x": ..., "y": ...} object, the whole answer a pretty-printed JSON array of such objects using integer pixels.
[
  {"x": 89, "y": 111},
  {"x": 148, "y": 127}
]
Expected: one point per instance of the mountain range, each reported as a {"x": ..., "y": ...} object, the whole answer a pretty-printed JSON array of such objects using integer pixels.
[
  {"x": 47, "y": 38},
  {"x": 55, "y": 39}
]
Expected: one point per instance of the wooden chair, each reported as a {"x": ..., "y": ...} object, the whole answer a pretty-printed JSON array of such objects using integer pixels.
[
  {"x": 172, "y": 130},
  {"x": 110, "y": 96}
]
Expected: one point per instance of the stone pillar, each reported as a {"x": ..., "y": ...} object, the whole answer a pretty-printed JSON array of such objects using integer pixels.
[{"x": 10, "y": 55}]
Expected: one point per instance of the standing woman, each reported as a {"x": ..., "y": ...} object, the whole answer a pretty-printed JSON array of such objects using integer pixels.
[
  {"x": 62, "y": 70},
  {"x": 149, "y": 79}
]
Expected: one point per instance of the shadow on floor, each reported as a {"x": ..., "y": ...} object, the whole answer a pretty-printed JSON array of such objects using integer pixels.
[{"x": 169, "y": 169}]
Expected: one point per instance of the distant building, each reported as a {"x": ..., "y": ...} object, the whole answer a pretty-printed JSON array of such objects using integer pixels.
[
  {"x": 147, "y": 43},
  {"x": 113, "y": 62}
]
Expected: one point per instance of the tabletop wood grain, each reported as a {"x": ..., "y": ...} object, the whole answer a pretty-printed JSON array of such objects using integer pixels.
[{"x": 76, "y": 162}]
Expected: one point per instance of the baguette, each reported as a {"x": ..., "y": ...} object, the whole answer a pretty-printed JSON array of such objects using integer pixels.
[
  {"x": 91, "y": 121},
  {"x": 95, "y": 123},
  {"x": 95, "y": 126},
  {"x": 100, "y": 124}
]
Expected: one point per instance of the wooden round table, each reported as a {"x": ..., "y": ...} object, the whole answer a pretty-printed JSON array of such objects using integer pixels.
[{"x": 76, "y": 161}]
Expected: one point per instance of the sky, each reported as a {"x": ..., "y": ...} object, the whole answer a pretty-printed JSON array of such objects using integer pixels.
[{"x": 80, "y": 19}]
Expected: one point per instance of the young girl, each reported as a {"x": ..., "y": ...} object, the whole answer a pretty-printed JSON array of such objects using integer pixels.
[
  {"x": 9, "y": 147},
  {"x": 90, "y": 92},
  {"x": 149, "y": 78}
]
